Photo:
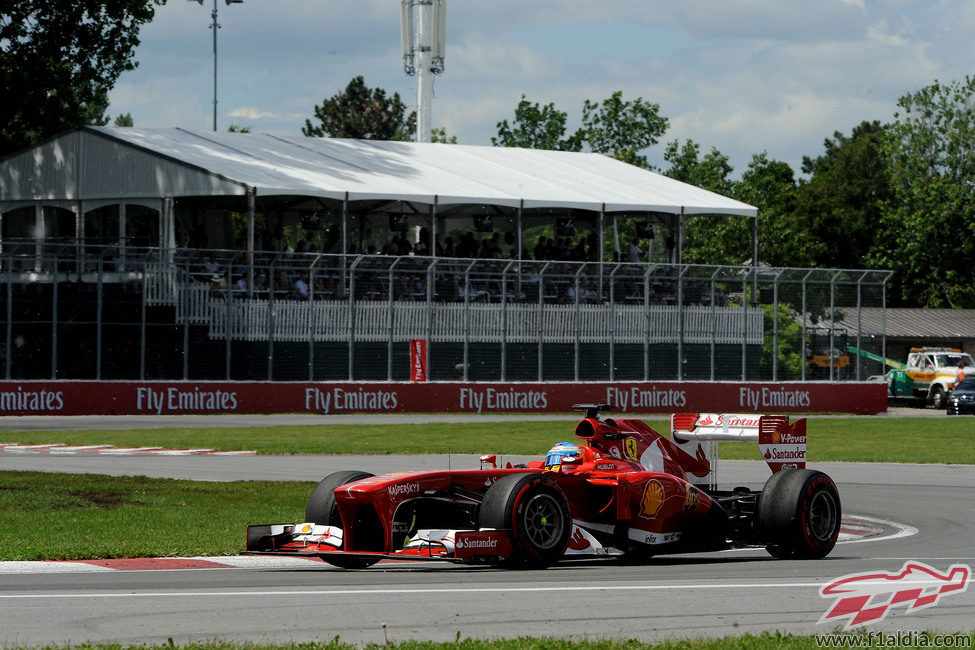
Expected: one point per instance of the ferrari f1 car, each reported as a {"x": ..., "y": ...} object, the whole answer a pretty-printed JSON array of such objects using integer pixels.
[{"x": 626, "y": 491}]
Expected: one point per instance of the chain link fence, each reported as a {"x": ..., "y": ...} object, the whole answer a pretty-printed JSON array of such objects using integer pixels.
[{"x": 74, "y": 312}]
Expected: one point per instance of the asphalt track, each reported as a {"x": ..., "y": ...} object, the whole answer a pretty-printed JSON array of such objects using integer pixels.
[{"x": 677, "y": 596}]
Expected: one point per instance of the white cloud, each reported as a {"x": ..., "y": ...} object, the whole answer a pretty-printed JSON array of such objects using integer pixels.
[
  {"x": 740, "y": 75},
  {"x": 882, "y": 33},
  {"x": 251, "y": 113}
]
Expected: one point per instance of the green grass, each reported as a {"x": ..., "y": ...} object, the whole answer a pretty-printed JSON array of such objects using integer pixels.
[
  {"x": 915, "y": 440},
  {"x": 764, "y": 641},
  {"x": 68, "y": 516}
]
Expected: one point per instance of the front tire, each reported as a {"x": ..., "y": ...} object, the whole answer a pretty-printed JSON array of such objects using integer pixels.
[
  {"x": 536, "y": 511},
  {"x": 322, "y": 510},
  {"x": 799, "y": 514},
  {"x": 938, "y": 398}
]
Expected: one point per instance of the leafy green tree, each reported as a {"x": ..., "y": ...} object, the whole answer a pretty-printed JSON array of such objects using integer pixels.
[
  {"x": 770, "y": 185},
  {"x": 842, "y": 203},
  {"x": 59, "y": 60},
  {"x": 710, "y": 239},
  {"x": 710, "y": 172},
  {"x": 782, "y": 342},
  {"x": 236, "y": 128},
  {"x": 622, "y": 129},
  {"x": 617, "y": 128},
  {"x": 537, "y": 127},
  {"x": 440, "y": 135},
  {"x": 363, "y": 113},
  {"x": 928, "y": 228},
  {"x": 124, "y": 119}
]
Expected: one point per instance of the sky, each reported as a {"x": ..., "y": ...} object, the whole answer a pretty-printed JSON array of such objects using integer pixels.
[{"x": 742, "y": 76}]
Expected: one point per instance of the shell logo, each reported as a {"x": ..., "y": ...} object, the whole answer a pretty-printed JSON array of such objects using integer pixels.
[
  {"x": 776, "y": 437},
  {"x": 653, "y": 498}
]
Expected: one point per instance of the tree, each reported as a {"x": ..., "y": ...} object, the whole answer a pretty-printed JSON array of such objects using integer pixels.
[
  {"x": 58, "y": 62},
  {"x": 537, "y": 127},
  {"x": 622, "y": 129},
  {"x": 842, "y": 204},
  {"x": 710, "y": 172},
  {"x": 614, "y": 127},
  {"x": 710, "y": 239},
  {"x": 770, "y": 185},
  {"x": 124, "y": 119},
  {"x": 440, "y": 135},
  {"x": 928, "y": 226},
  {"x": 363, "y": 113}
]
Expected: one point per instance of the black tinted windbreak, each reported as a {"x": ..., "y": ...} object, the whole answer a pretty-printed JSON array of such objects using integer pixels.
[{"x": 966, "y": 384}]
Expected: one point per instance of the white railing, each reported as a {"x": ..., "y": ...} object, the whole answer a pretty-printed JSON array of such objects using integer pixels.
[
  {"x": 261, "y": 319},
  {"x": 292, "y": 320}
]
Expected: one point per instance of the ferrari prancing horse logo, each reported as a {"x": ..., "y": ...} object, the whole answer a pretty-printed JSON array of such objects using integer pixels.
[{"x": 630, "y": 445}]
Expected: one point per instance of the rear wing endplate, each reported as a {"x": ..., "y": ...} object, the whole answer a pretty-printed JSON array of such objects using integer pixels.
[{"x": 780, "y": 443}]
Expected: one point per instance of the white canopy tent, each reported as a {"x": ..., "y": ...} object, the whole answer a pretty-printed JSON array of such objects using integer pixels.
[{"x": 94, "y": 166}]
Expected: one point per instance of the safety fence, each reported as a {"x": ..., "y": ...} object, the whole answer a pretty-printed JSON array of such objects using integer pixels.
[{"x": 212, "y": 314}]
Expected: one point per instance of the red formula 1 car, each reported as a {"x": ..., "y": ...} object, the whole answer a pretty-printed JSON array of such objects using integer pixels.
[{"x": 626, "y": 491}]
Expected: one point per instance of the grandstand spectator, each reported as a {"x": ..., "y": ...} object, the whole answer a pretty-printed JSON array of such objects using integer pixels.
[
  {"x": 422, "y": 248},
  {"x": 301, "y": 287},
  {"x": 633, "y": 253}
]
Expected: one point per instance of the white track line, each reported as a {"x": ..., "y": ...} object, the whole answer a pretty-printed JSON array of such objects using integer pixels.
[
  {"x": 441, "y": 590},
  {"x": 59, "y": 449},
  {"x": 903, "y": 530}
]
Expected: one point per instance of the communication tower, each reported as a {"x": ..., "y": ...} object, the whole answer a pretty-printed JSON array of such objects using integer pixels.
[{"x": 423, "y": 27}]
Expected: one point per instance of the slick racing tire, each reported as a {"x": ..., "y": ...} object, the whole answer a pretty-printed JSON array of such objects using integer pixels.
[
  {"x": 321, "y": 509},
  {"x": 535, "y": 510},
  {"x": 799, "y": 514}
]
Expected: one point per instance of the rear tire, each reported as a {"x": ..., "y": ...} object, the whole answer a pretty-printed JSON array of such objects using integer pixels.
[
  {"x": 799, "y": 514},
  {"x": 535, "y": 510},
  {"x": 321, "y": 509}
]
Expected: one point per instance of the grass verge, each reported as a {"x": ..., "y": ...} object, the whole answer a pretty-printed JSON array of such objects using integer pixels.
[
  {"x": 764, "y": 641},
  {"x": 69, "y": 516},
  {"x": 914, "y": 440}
]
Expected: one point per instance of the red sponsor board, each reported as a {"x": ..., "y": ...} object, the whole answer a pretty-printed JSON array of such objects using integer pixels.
[
  {"x": 782, "y": 444},
  {"x": 492, "y": 543},
  {"x": 418, "y": 360},
  {"x": 167, "y": 398}
]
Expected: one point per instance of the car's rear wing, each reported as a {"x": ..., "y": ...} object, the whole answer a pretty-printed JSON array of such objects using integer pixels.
[{"x": 780, "y": 443}]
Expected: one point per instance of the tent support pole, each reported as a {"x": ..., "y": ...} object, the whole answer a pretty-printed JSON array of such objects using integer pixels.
[
  {"x": 251, "y": 200},
  {"x": 602, "y": 222},
  {"x": 80, "y": 235},
  {"x": 521, "y": 208},
  {"x": 123, "y": 234},
  {"x": 433, "y": 229},
  {"x": 680, "y": 237},
  {"x": 345, "y": 224},
  {"x": 599, "y": 254}
]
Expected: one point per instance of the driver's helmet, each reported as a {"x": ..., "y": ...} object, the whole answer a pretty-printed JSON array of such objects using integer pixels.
[{"x": 561, "y": 450}]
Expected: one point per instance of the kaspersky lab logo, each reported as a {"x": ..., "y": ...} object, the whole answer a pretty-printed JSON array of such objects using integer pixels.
[{"x": 864, "y": 598}]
